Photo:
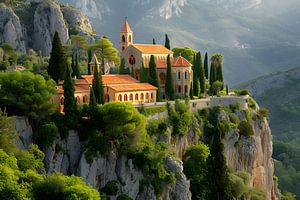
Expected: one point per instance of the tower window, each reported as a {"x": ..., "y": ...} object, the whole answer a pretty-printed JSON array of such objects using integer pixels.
[
  {"x": 186, "y": 75},
  {"x": 123, "y": 48},
  {"x": 178, "y": 75},
  {"x": 179, "y": 89},
  {"x": 123, "y": 38},
  {"x": 129, "y": 39}
]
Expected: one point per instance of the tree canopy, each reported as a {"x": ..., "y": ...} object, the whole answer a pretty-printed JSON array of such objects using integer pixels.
[{"x": 186, "y": 52}]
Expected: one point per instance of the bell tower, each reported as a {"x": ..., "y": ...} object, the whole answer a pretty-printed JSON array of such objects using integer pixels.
[{"x": 126, "y": 36}]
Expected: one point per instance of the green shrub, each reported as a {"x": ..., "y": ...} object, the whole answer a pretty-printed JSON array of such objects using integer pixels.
[
  {"x": 181, "y": 118},
  {"x": 263, "y": 112},
  {"x": 246, "y": 128},
  {"x": 251, "y": 103},
  {"x": 124, "y": 197},
  {"x": 258, "y": 194},
  {"x": 157, "y": 127},
  {"x": 149, "y": 111},
  {"x": 243, "y": 92},
  {"x": 234, "y": 118},
  {"x": 46, "y": 134},
  {"x": 111, "y": 188}
]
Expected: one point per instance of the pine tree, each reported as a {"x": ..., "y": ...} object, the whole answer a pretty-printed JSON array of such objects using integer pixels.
[
  {"x": 167, "y": 42},
  {"x": 144, "y": 74},
  {"x": 58, "y": 61},
  {"x": 170, "y": 92},
  {"x": 196, "y": 84},
  {"x": 92, "y": 98},
  {"x": 98, "y": 86},
  {"x": 89, "y": 60},
  {"x": 122, "y": 68},
  {"x": 70, "y": 106},
  {"x": 206, "y": 65},
  {"x": 153, "y": 78},
  {"x": 153, "y": 41}
]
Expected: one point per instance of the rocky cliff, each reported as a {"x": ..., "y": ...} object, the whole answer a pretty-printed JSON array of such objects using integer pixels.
[
  {"x": 251, "y": 154},
  {"x": 33, "y": 24}
]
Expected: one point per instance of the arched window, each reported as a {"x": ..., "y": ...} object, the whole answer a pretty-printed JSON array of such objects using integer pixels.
[
  {"x": 131, "y": 60},
  {"x": 125, "y": 97},
  {"x": 107, "y": 99},
  {"x": 178, "y": 75},
  {"x": 142, "y": 97},
  {"x": 147, "y": 96},
  {"x": 186, "y": 75},
  {"x": 120, "y": 98},
  {"x": 131, "y": 97},
  {"x": 136, "y": 96},
  {"x": 77, "y": 99},
  {"x": 85, "y": 99},
  {"x": 179, "y": 89},
  {"x": 129, "y": 38},
  {"x": 162, "y": 77},
  {"x": 62, "y": 100},
  {"x": 123, "y": 38},
  {"x": 152, "y": 96},
  {"x": 123, "y": 48}
]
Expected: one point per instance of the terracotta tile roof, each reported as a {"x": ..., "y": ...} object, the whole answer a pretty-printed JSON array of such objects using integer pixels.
[
  {"x": 126, "y": 28},
  {"x": 152, "y": 49},
  {"x": 132, "y": 87},
  {"x": 176, "y": 62},
  {"x": 78, "y": 89},
  {"x": 181, "y": 62},
  {"x": 112, "y": 79}
]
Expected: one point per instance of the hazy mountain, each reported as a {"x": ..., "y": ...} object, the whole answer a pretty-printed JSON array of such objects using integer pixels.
[{"x": 256, "y": 36}]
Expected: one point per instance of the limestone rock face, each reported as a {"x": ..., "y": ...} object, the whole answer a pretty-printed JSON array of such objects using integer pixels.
[
  {"x": 25, "y": 131},
  {"x": 253, "y": 154},
  {"x": 11, "y": 29},
  {"x": 48, "y": 19}
]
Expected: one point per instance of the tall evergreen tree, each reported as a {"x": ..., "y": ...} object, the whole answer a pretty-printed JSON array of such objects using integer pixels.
[
  {"x": 153, "y": 78},
  {"x": 206, "y": 65},
  {"x": 170, "y": 92},
  {"x": 122, "y": 68},
  {"x": 153, "y": 41},
  {"x": 98, "y": 86},
  {"x": 69, "y": 89},
  {"x": 89, "y": 60},
  {"x": 200, "y": 72},
  {"x": 144, "y": 74},
  {"x": 217, "y": 61},
  {"x": 218, "y": 183},
  {"x": 58, "y": 61},
  {"x": 191, "y": 91},
  {"x": 196, "y": 84},
  {"x": 75, "y": 62},
  {"x": 167, "y": 42},
  {"x": 212, "y": 75},
  {"x": 92, "y": 98}
]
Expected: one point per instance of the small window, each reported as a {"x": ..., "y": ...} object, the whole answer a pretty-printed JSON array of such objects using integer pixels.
[
  {"x": 123, "y": 48},
  {"x": 85, "y": 99},
  {"x": 179, "y": 89},
  {"x": 123, "y": 38},
  {"x": 142, "y": 97},
  {"x": 186, "y": 75},
  {"x": 62, "y": 101},
  {"x": 131, "y": 60},
  {"x": 129, "y": 39},
  {"x": 136, "y": 97},
  {"x": 178, "y": 75},
  {"x": 131, "y": 97}
]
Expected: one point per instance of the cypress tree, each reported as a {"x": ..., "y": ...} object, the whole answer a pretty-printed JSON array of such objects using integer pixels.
[
  {"x": 144, "y": 74},
  {"x": 122, "y": 67},
  {"x": 200, "y": 72},
  {"x": 73, "y": 65},
  {"x": 97, "y": 86},
  {"x": 153, "y": 78},
  {"x": 219, "y": 74},
  {"x": 76, "y": 70},
  {"x": 170, "y": 92},
  {"x": 167, "y": 42},
  {"x": 227, "y": 90},
  {"x": 153, "y": 41},
  {"x": 212, "y": 75},
  {"x": 89, "y": 60},
  {"x": 196, "y": 84},
  {"x": 92, "y": 98},
  {"x": 58, "y": 62},
  {"x": 206, "y": 65},
  {"x": 70, "y": 106},
  {"x": 191, "y": 92}
]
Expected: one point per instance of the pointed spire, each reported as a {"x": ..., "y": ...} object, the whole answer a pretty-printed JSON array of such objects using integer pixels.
[{"x": 126, "y": 28}]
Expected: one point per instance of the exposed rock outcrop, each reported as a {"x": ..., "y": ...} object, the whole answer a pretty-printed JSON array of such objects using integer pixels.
[
  {"x": 25, "y": 131},
  {"x": 48, "y": 19},
  {"x": 11, "y": 29}
]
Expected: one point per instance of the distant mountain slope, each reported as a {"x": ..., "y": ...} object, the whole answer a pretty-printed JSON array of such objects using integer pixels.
[
  {"x": 280, "y": 94},
  {"x": 257, "y": 36}
]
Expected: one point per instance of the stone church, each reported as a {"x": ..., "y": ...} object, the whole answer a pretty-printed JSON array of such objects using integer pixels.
[{"x": 137, "y": 54}]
